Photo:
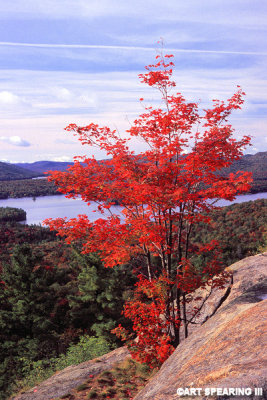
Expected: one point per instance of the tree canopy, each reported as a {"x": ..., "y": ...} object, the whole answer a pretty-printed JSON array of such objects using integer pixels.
[{"x": 164, "y": 191}]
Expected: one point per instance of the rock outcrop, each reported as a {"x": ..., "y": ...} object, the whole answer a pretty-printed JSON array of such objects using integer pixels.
[
  {"x": 229, "y": 349},
  {"x": 69, "y": 378}
]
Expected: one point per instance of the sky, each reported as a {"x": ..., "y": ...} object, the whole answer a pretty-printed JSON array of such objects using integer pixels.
[{"x": 77, "y": 61}]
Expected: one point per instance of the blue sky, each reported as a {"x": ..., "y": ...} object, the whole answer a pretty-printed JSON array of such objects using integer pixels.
[{"x": 77, "y": 61}]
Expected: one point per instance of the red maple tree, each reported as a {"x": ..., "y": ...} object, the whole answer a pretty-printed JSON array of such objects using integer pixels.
[{"x": 164, "y": 191}]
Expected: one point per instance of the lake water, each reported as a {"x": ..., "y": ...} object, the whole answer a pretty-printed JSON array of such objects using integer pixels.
[{"x": 58, "y": 206}]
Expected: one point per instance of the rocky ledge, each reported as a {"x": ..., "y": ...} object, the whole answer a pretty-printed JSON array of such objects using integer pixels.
[
  {"x": 228, "y": 349},
  {"x": 69, "y": 378}
]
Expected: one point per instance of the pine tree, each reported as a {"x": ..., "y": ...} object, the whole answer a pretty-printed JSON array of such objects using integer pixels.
[{"x": 98, "y": 303}]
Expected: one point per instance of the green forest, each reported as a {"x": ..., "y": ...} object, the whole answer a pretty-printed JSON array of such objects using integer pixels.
[
  {"x": 9, "y": 214},
  {"x": 58, "y": 305},
  {"x": 27, "y": 188}
]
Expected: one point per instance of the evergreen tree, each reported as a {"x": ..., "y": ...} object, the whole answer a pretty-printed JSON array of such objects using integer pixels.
[{"x": 98, "y": 304}]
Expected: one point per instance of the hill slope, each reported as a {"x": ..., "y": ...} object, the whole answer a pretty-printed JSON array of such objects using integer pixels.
[
  {"x": 10, "y": 172},
  {"x": 257, "y": 164}
]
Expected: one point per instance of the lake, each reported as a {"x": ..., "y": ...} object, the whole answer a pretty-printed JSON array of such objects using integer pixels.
[{"x": 58, "y": 206}]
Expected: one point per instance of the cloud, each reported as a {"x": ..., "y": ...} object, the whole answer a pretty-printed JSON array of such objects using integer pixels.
[
  {"x": 63, "y": 94},
  {"x": 60, "y": 98},
  {"x": 15, "y": 141},
  {"x": 8, "y": 98},
  {"x": 62, "y": 159},
  {"x": 10, "y": 102},
  {"x": 138, "y": 48}
]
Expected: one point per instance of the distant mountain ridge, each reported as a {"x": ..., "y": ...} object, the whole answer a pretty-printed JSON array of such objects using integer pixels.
[
  {"x": 42, "y": 166},
  {"x": 255, "y": 163}
]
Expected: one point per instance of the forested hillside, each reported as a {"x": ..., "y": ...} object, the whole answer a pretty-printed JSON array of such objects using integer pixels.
[
  {"x": 50, "y": 297},
  {"x": 240, "y": 229},
  {"x": 257, "y": 164},
  {"x": 10, "y": 214},
  {"x": 27, "y": 188},
  {"x": 10, "y": 172}
]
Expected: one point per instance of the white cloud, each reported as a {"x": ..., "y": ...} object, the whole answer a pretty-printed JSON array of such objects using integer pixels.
[
  {"x": 65, "y": 99},
  {"x": 62, "y": 93},
  {"x": 62, "y": 159},
  {"x": 15, "y": 141},
  {"x": 8, "y": 98}
]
